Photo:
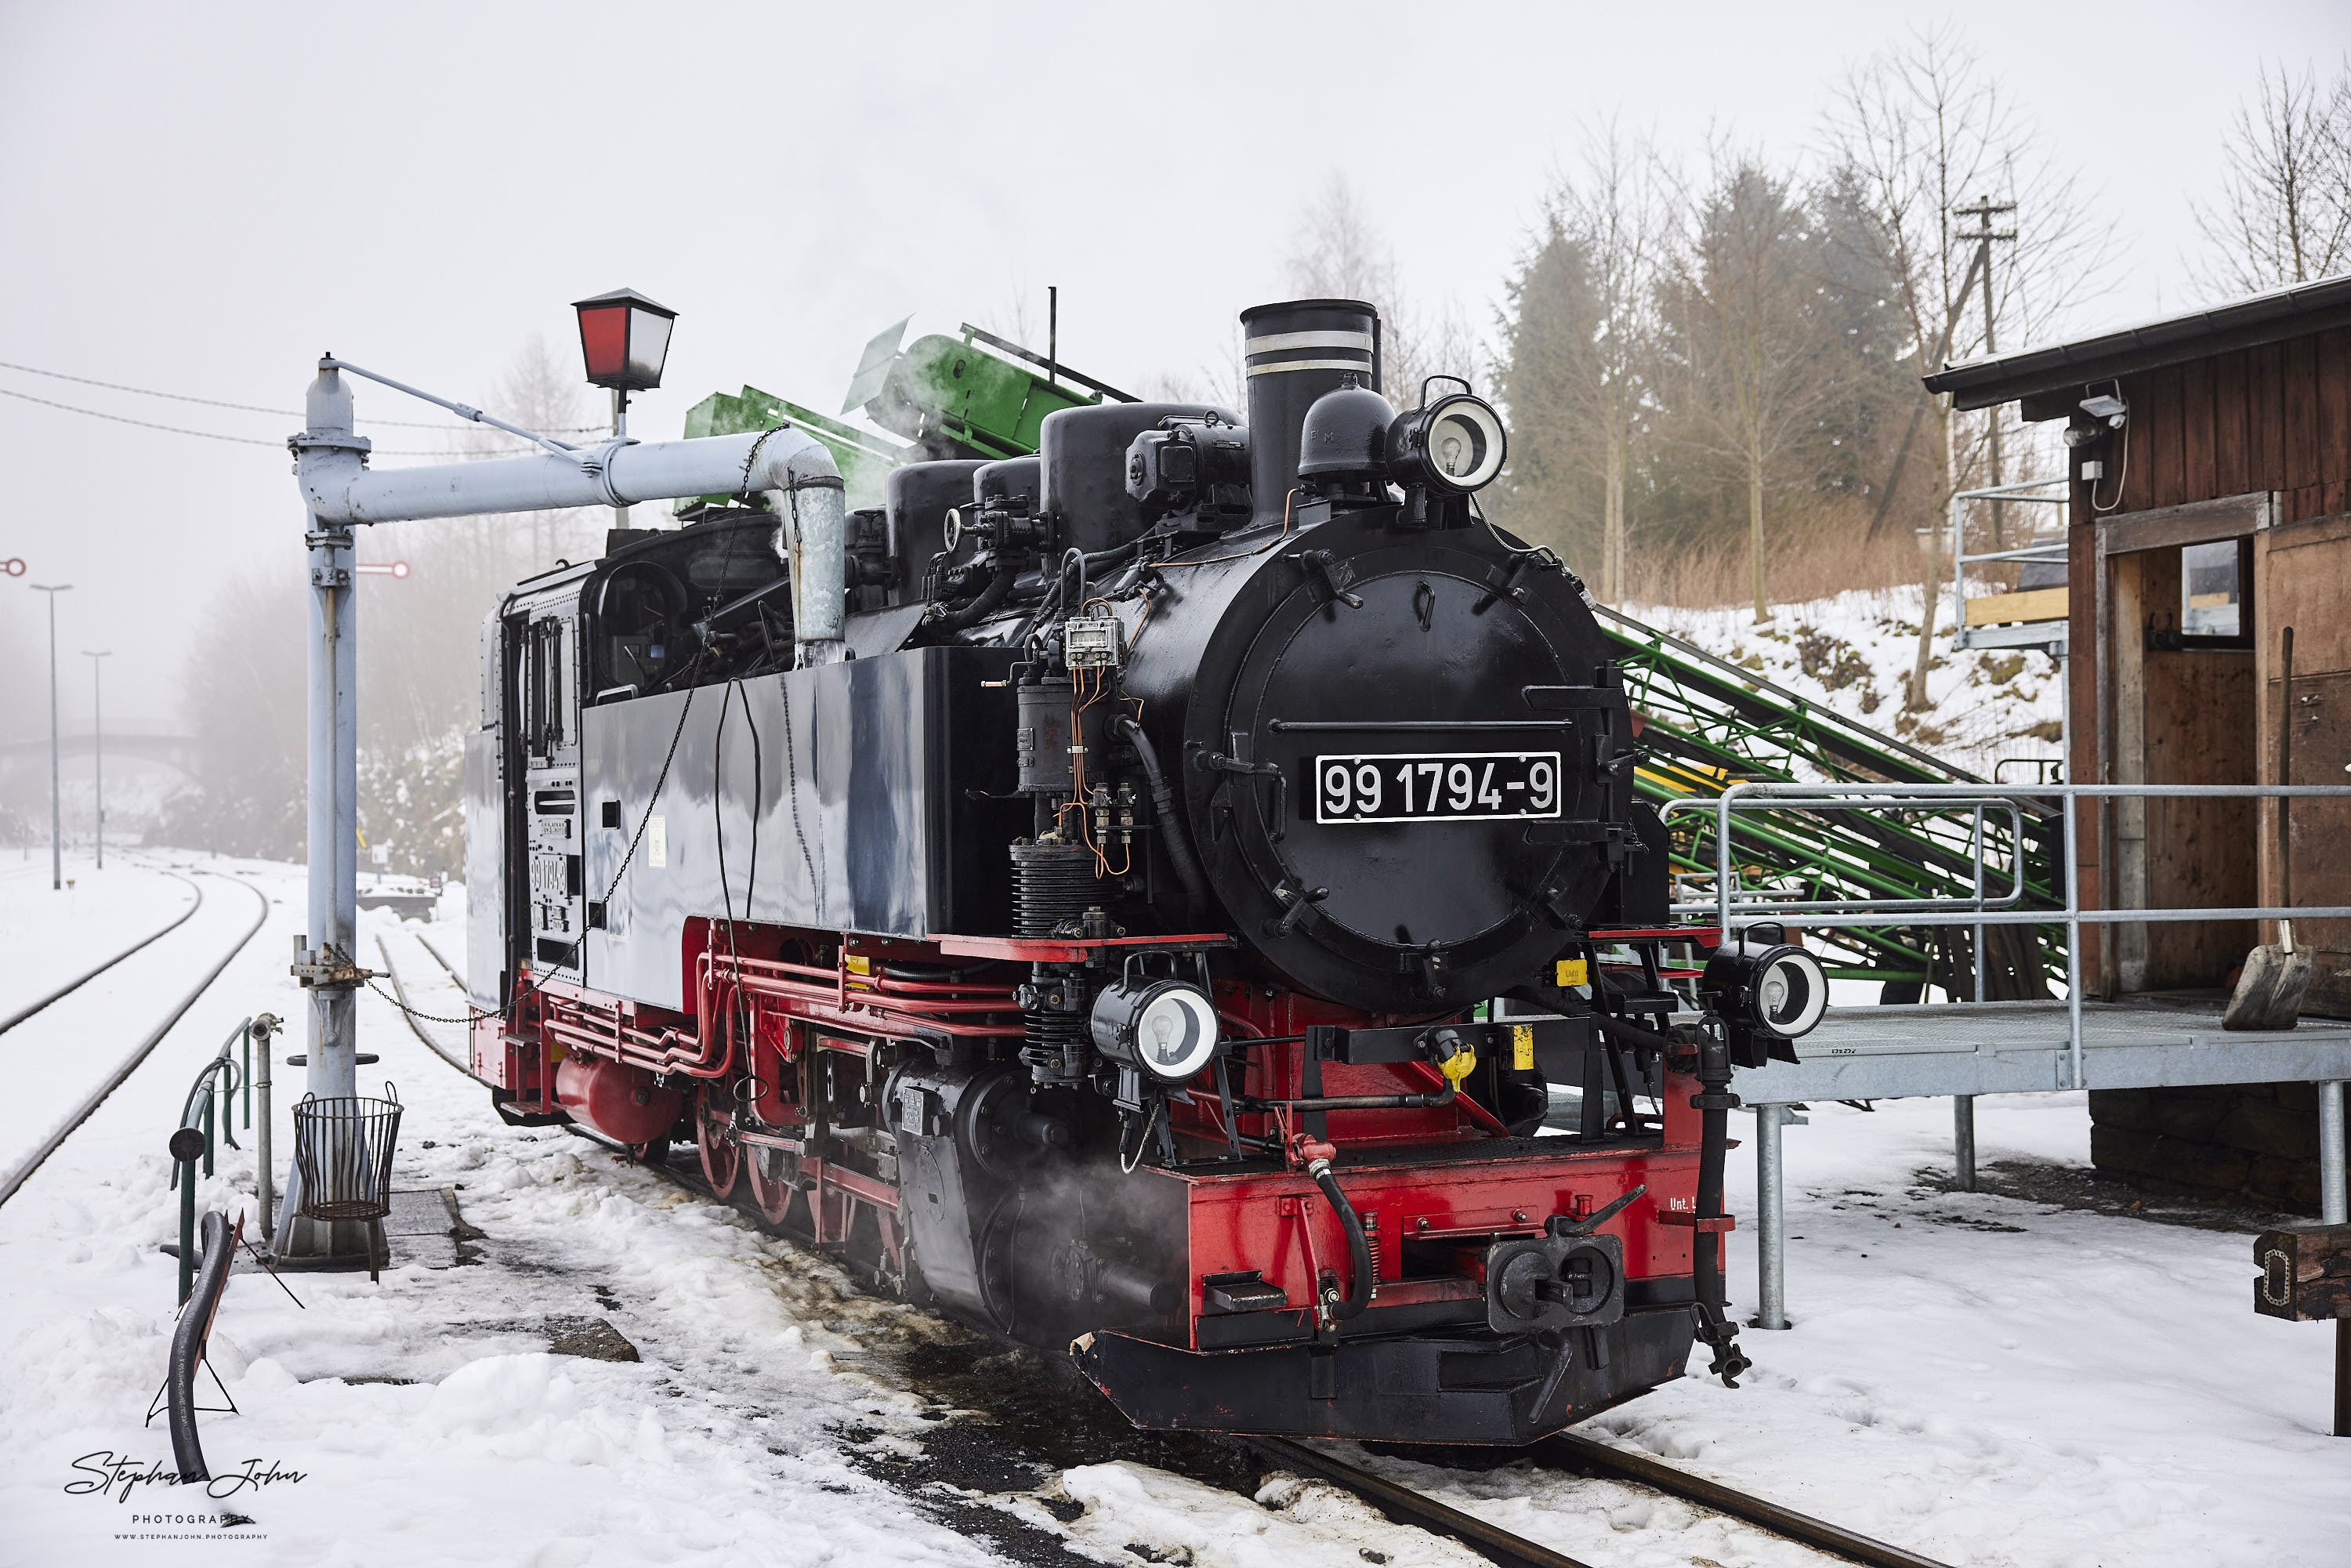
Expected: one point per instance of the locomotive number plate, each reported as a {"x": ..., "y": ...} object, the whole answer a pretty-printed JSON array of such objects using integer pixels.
[{"x": 1437, "y": 787}]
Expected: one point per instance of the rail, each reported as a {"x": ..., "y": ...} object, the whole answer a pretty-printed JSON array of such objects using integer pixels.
[
  {"x": 1731, "y": 912},
  {"x": 87, "y": 976},
  {"x": 15, "y": 1181}
]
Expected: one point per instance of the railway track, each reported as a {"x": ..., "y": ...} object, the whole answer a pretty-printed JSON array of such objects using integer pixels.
[
  {"x": 15, "y": 1179},
  {"x": 1569, "y": 1452},
  {"x": 21, "y": 1014},
  {"x": 409, "y": 1015}
]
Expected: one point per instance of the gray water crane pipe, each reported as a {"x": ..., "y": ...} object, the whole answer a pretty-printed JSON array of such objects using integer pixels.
[
  {"x": 791, "y": 469},
  {"x": 786, "y": 468}
]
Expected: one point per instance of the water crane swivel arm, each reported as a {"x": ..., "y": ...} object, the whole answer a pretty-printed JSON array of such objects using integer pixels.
[{"x": 790, "y": 470}]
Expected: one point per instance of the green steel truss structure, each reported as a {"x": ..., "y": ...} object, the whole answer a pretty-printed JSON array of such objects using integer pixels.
[{"x": 1706, "y": 723}]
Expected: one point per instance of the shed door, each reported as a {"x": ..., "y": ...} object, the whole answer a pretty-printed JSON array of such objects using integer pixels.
[{"x": 2307, "y": 586}]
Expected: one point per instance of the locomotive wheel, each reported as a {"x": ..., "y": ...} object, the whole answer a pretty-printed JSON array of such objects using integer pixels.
[
  {"x": 769, "y": 1173},
  {"x": 722, "y": 1159}
]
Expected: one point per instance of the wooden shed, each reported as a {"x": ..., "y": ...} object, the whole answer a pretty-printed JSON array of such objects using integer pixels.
[{"x": 2208, "y": 598}]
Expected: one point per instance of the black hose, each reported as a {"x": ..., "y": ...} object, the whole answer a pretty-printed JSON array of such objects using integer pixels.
[
  {"x": 1713, "y": 1102},
  {"x": 1359, "y": 1247},
  {"x": 987, "y": 599},
  {"x": 1171, "y": 826},
  {"x": 1706, "y": 1248},
  {"x": 188, "y": 1338}
]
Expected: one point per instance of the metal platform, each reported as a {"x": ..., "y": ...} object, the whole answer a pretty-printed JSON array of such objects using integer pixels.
[
  {"x": 1960, "y": 1049},
  {"x": 2009, "y": 1048}
]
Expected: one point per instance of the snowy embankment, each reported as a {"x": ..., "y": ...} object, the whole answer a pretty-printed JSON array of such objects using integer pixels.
[
  {"x": 1857, "y": 652},
  {"x": 1985, "y": 1380}
]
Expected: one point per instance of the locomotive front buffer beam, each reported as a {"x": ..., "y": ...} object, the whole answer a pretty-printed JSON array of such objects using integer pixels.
[{"x": 785, "y": 469}]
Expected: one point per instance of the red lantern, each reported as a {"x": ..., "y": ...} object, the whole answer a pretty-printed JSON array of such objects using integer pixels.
[{"x": 624, "y": 338}]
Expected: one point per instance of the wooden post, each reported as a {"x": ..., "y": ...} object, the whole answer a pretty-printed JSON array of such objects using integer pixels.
[{"x": 2306, "y": 1276}]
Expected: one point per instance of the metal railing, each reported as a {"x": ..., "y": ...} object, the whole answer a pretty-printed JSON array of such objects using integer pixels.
[
  {"x": 1733, "y": 906},
  {"x": 2023, "y": 493},
  {"x": 206, "y": 1117}
]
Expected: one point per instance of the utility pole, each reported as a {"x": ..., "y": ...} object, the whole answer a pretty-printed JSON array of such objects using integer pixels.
[
  {"x": 1983, "y": 210},
  {"x": 97, "y": 743},
  {"x": 56, "y": 813}
]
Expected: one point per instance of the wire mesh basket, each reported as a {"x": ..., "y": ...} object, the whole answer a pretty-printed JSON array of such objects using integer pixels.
[{"x": 342, "y": 1151}]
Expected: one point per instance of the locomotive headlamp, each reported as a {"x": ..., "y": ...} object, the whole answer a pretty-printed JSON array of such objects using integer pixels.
[
  {"x": 1167, "y": 1029},
  {"x": 624, "y": 339},
  {"x": 1773, "y": 989},
  {"x": 1455, "y": 445}
]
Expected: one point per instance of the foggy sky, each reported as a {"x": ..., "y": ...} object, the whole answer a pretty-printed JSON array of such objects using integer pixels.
[{"x": 201, "y": 199}]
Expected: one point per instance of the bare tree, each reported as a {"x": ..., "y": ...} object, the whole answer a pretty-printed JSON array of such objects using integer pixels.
[
  {"x": 1338, "y": 252},
  {"x": 2284, "y": 215},
  {"x": 1755, "y": 364},
  {"x": 1613, "y": 209},
  {"x": 1916, "y": 131}
]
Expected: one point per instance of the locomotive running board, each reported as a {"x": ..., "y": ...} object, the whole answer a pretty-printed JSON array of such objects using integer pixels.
[{"x": 1455, "y": 1389}]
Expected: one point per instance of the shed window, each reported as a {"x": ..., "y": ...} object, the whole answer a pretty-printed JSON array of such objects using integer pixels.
[{"x": 2211, "y": 590}]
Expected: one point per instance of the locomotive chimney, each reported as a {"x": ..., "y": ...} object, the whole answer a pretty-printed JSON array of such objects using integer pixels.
[{"x": 1295, "y": 351}]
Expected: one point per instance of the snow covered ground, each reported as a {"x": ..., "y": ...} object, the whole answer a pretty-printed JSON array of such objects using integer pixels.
[
  {"x": 1982, "y": 1379},
  {"x": 1855, "y": 652}
]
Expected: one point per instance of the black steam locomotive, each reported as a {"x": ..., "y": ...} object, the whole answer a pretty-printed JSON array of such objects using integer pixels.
[{"x": 1167, "y": 928}]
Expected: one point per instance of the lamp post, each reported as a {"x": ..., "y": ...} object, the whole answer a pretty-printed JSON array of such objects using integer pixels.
[
  {"x": 624, "y": 339},
  {"x": 97, "y": 743},
  {"x": 57, "y": 814}
]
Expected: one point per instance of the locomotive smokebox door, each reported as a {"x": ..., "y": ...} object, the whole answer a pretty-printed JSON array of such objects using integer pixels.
[{"x": 1404, "y": 765}]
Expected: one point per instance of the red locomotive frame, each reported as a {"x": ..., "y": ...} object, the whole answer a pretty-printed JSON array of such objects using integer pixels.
[{"x": 771, "y": 1019}]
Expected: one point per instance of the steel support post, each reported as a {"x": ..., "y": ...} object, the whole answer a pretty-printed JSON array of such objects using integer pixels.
[
  {"x": 334, "y": 804},
  {"x": 263, "y": 1033},
  {"x": 1771, "y": 1221},
  {"x": 1963, "y": 1140},
  {"x": 2333, "y": 1203},
  {"x": 333, "y": 1070}
]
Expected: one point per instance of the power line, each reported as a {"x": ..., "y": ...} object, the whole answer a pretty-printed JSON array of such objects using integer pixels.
[
  {"x": 244, "y": 407},
  {"x": 240, "y": 440}
]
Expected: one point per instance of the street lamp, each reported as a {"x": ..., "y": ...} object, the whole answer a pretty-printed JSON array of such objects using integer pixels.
[
  {"x": 624, "y": 339},
  {"x": 56, "y": 816},
  {"x": 97, "y": 743}
]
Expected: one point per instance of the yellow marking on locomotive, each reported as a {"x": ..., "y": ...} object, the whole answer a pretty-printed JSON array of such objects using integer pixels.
[
  {"x": 1458, "y": 1066},
  {"x": 1573, "y": 972},
  {"x": 858, "y": 963},
  {"x": 1522, "y": 1047}
]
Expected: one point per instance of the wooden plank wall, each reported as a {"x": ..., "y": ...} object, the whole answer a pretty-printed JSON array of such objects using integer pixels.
[{"x": 2275, "y": 418}]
